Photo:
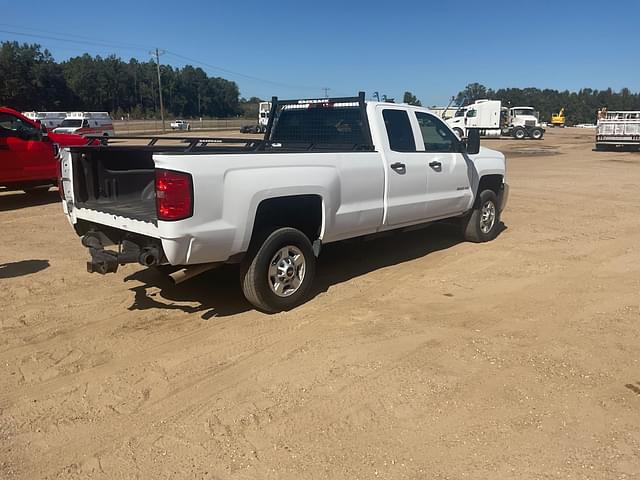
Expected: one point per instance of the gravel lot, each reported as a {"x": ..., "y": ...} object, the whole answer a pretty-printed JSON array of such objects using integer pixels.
[{"x": 418, "y": 357}]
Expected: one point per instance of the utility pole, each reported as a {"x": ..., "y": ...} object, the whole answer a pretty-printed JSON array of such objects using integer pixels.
[
  {"x": 326, "y": 92},
  {"x": 157, "y": 54}
]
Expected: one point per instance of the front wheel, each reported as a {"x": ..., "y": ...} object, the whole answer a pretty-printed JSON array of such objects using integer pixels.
[
  {"x": 458, "y": 132},
  {"x": 482, "y": 224},
  {"x": 277, "y": 276}
]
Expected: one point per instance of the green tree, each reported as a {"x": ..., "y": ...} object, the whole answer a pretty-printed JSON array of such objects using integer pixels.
[{"x": 411, "y": 99}]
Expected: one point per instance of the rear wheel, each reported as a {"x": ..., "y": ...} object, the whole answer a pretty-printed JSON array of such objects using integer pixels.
[
  {"x": 519, "y": 133},
  {"x": 537, "y": 133},
  {"x": 482, "y": 224},
  {"x": 278, "y": 274}
]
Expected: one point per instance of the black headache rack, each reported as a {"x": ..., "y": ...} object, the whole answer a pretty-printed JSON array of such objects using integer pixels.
[
  {"x": 320, "y": 124},
  {"x": 161, "y": 143},
  {"x": 337, "y": 124}
]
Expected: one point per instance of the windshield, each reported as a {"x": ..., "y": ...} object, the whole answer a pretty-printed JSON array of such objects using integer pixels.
[
  {"x": 525, "y": 111},
  {"x": 71, "y": 123}
]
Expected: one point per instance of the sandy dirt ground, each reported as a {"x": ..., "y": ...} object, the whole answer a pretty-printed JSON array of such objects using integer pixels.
[{"x": 418, "y": 356}]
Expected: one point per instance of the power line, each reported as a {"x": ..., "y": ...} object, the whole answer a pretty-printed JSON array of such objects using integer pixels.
[
  {"x": 82, "y": 37},
  {"x": 251, "y": 77},
  {"x": 82, "y": 40}
]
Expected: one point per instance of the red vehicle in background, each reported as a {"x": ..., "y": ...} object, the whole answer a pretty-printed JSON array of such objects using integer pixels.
[{"x": 29, "y": 152}]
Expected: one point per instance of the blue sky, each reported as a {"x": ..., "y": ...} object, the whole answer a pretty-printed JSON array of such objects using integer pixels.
[{"x": 295, "y": 48}]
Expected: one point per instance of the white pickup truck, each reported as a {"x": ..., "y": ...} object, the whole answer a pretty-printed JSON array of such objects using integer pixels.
[
  {"x": 326, "y": 170},
  {"x": 180, "y": 125}
]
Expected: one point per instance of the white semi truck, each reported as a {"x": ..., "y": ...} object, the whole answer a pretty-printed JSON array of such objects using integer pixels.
[
  {"x": 263, "y": 120},
  {"x": 618, "y": 129},
  {"x": 494, "y": 120}
]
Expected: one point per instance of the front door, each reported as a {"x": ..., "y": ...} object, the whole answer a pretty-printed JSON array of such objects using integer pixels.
[
  {"x": 24, "y": 155},
  {"x": 448, "y": 178}
]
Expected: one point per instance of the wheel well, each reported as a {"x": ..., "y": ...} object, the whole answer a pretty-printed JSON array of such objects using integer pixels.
[
  {"x": 303, "y": 212},
  {"x": 490, "y": 182}
]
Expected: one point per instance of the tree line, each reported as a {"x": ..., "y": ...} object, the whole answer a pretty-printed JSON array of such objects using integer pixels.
[
  {"x": 30, "y": 79},
  {"x": 580, "y": 107}
]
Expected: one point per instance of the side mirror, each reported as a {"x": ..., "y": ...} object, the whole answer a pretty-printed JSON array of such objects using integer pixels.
[{"x": 473, "y": 141}]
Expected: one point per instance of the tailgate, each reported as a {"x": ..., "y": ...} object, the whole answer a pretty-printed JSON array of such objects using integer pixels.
[{"x": 113, "y": 187}]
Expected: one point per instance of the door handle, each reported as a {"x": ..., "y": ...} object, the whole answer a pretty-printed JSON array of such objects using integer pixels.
[
  {"x": 399, "y": 167},
  {"x": 435, "y": 165}
]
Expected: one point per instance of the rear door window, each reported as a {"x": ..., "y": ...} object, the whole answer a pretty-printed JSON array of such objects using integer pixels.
[{"x": 399, "y": 130}]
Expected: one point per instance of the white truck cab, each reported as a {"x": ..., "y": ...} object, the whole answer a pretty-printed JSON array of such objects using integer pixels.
[{"x": 494, "y": 120}]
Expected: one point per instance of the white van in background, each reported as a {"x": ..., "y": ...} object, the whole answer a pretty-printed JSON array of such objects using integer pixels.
[
  {"x": 87, "y": 123},
  {"x": 50, "y": 120}
]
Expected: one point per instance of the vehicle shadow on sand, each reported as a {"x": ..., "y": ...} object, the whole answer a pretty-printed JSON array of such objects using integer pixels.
[
  {"x": 18, "y": 200},
  {"x": 217, "y": 293},
  {"x": 21, "y": 268}
]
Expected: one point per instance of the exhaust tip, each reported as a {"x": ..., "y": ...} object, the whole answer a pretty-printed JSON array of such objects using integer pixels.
[{"x": 148, "y": 258}]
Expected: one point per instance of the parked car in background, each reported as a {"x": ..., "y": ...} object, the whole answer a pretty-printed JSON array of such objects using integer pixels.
[
  {"x": 180, "y": 125},
  {"x": 87, "y": 123},
  {"x": 29, "y": 157}
]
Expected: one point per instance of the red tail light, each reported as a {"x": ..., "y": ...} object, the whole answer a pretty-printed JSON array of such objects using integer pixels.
[{"x": 174, "y": 195}]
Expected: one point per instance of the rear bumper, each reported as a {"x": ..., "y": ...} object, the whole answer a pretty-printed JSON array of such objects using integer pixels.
[{"x": 503, "y": 196}]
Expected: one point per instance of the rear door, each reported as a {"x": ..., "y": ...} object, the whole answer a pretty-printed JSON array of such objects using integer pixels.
[{"x": 406, "y": 171}]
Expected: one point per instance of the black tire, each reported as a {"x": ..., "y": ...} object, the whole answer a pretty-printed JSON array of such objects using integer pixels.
[
  {"x": 519, "y": 133},
  {"x": 458, "y": 132},
  {"x": 472, "y": 224},
  {"x": 254, "y": 271},
  {"x": 537, "y": 133}
]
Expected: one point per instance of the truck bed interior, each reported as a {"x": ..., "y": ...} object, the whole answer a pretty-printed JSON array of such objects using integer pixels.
[{"x": 117, "y": 181}]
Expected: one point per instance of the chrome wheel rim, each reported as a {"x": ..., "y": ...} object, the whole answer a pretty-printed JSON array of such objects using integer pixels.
[
  {"x": 487, "y": 216},
  {"x": 286, "y": 271}
]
